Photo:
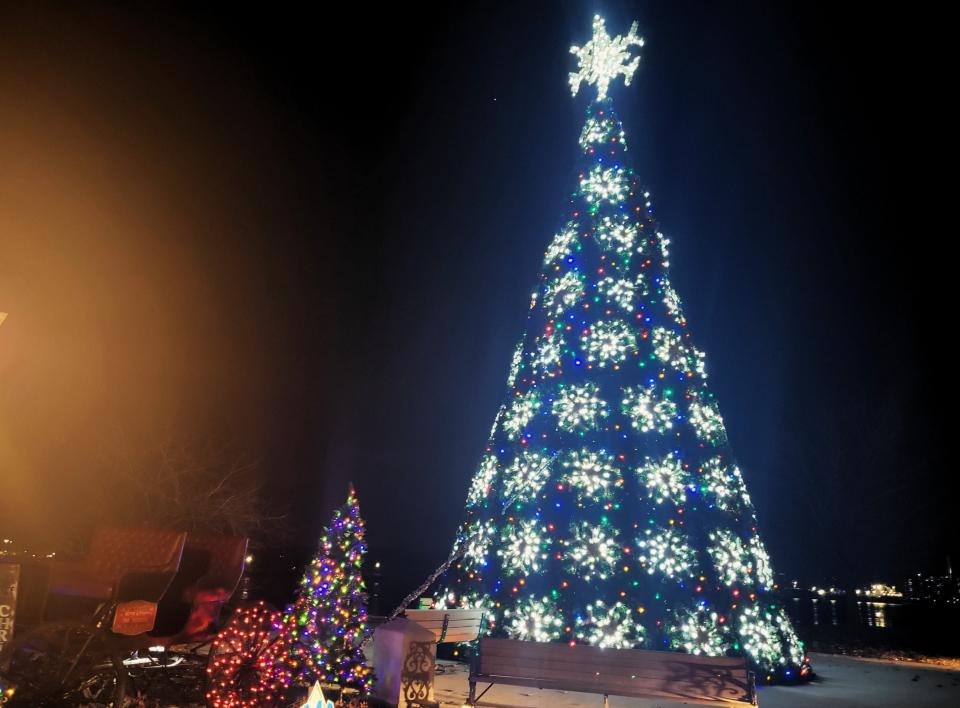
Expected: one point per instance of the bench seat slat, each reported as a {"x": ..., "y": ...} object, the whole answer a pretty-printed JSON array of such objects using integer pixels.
[
  {"x": 426, "y": 615},
  {"x": 556, "y": 651},
  {"x": 642, "y": 673},
  {"x": 701, "y": 683},
  {"x": 454, "y": 638},
  {"x": 608, "y": 675},
  {"x": 614, "y": 662},
  {"x": 449, "y": 626},
  {"x": 678, "y": 671},
  {"x": 672, "y": 696}
]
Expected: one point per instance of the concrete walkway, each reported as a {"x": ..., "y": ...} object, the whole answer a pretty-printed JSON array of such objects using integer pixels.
[{"x": 842, "y": 682}]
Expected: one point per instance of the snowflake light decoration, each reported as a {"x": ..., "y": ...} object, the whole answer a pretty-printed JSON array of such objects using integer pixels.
[
  {"x": 563, "y": 292},
  {"x": 526, "y": 476},
  {"x": 731, "y": 557},
  {"x": 759, "y": 637},
  {"x": 596, "y": 131},
  {"x": 724, "y": 485},
  {"x": 549, "y": 350},
  {"x": 515, "y": 364},
  {"x": 522, "y": 547},
  {"x": 665, "y": 479},
  {"x": 534, "y": 620},
  {"x": 592, "y": 474},
  {"x": 666, "y": 553},
  {"x": 697, "y": 362},
  {"x": 605, "y": 184},
  {"x": 616, "y": 233},
  {"x": 592, "y": 550},
  {"x": 478, "y": 538},
  {"x": 609, "y": 342},
  {"x": 603, "y": 59},
  {"x": 646, "y": 411},
  {"x": 668, "y": 347},
  {"x": 609, "y": 627},
  {"x": 562, "y": 244},
  {"x": 698, "y": 632},
  {"x": 790, "y": 638},
  {"x": 579, "y": 407},
  {"x": 761, "y": 562},
  {"x": 483, "y": 480},
  {"x": 707, "y": 422},
  {"x": 520, "y": 413},
  {"x": 501, "y": 411},
  {"x": 671, "y": 299},
  {"x": 662, "y": 243},
  {"x": 619, "y": 291}
]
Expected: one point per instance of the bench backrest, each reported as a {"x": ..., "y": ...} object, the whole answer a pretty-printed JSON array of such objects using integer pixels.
[
  {"x": 619, "y": 672},
  {"x": 449, "y": 625}
]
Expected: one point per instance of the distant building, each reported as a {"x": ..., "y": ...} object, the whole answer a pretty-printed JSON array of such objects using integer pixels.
[{"x": 934, "y": 588}]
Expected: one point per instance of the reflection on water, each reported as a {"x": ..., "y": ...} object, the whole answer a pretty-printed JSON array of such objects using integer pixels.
[
  {"x": 815, "y": 611},
  {"x": 900, "y": 625},
  {"x": 869, "y": 614},
  {"x": 873, "y": 614}
]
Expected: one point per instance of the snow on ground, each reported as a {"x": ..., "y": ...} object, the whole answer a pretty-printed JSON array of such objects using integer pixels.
[{"x": 842, "y": 682}]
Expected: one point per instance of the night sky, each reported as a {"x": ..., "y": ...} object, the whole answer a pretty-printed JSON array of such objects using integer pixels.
[{"x": 315, "y": 235}]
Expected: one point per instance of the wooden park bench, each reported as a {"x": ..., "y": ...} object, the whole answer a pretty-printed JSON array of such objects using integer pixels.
[
  {"x": 450, "y": 625},
  {"x": 672, "y": 676}
]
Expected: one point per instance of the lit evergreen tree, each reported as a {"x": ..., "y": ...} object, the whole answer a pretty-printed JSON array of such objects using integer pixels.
[
  {"x": 607, "y": 508},
  {"x": 327, "y": 623}
]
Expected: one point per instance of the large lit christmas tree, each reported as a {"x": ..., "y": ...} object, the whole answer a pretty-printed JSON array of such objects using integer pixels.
[
  {"x": 327, "y": 624},
  {"x": 608, "y": 508}
]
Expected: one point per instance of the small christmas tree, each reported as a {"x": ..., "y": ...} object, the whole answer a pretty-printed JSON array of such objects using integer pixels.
[{"x": 327, "y": 623}]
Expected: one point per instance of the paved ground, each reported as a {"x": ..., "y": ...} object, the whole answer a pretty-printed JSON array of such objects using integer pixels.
[{"x": 842, "y": 682}]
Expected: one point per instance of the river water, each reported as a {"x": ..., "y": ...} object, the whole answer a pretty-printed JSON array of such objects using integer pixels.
[{"x": 857, "y": 622}]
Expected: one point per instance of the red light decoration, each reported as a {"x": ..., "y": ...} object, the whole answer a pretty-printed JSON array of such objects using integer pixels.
[{"x": 247, "y": 665}]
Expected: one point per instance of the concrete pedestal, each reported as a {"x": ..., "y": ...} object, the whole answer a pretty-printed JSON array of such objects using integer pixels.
[{"x": 405, "y": 662}]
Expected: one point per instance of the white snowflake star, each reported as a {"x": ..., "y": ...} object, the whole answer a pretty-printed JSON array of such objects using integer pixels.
[
  {"x": 563, "y": 292},
  {"x": 609, "y": 342},
  {"x": 617, "y": 234},
  {"x": 579, "y": 407},
  {"x": 522, "y": 547},
  {"x": 562, "y": 244},
  {"x": 520, "y": 413},
  {"x": 593, "y": 474},
  {"x": 646, "y": 411},
  {"x": 666, "y": 552},
  {"x": 535, "y": 620},
  {"x": 665, "y": 479},
  {"x": 480, "y": 486},
  {"x": 698, "y": 632},
  {"x": 593, "y": 550},
  {"x": 602, "y": 59},
  {"x": 526, "y": 476},
  {"x": 609, "y": 627}
]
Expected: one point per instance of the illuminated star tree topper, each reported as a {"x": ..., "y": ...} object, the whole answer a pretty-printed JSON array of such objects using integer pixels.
[{"x": 602, "y": 59}]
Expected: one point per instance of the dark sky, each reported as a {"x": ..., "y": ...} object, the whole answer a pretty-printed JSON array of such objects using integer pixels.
[{"x": 315, "y": 235}]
